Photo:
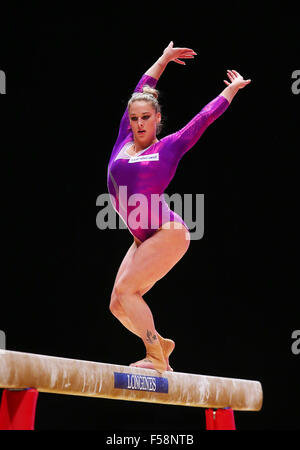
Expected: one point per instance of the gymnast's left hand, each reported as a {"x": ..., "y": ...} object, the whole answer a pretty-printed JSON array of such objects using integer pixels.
[{"x": 236, "y": 80}]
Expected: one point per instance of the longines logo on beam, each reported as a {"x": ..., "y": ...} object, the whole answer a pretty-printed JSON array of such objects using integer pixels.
[{"x": 140, "y": 382}]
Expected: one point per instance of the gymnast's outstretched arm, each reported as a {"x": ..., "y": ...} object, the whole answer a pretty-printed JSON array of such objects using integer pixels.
[
  {"x": 180, "y": 142},
  {"x": 170, "y": 53},
  {"x": 152, "y": 75}
]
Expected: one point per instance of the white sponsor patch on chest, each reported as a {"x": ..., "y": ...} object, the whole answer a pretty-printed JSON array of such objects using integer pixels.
[{"x": 153, "y": 157}]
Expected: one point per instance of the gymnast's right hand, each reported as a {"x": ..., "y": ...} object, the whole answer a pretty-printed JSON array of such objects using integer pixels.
[{"x": 175, "y": 54}]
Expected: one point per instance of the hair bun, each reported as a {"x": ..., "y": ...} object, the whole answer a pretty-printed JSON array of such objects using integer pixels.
[{"x": 150, "y": 91}]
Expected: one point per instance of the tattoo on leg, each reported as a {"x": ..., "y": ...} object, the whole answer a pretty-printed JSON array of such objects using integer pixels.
[{"x": 151, "y": 337}]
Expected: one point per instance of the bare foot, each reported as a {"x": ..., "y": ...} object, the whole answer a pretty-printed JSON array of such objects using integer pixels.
[
  {"x": 167, "y": 346},
  {"x": 149, "y": 362}
]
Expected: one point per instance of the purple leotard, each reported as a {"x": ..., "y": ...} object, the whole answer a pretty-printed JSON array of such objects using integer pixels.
[{"x": 136, "y": 183}]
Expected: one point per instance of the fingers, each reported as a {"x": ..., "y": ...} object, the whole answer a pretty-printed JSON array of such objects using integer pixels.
[
  {"x": 182, "y": 50},
  {"x": 187, "y": 50},
  {"x": 231, "y": 75},
  {"x": 186, "y": 56},
  {"x": 177, "y": 54},
  {"x": 234, "y": 74},
  {"x": 182, "y": 53},
  {"x": 179, "y": 62},
  {"x": 236, "y": 78}
]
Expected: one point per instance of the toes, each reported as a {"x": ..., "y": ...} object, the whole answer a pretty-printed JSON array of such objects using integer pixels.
[
  {"x": 148, "y": 364},
  {"x": 144, "y": 363}
]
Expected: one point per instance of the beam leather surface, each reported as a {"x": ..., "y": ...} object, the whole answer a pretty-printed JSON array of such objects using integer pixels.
[{"x": 94, "y": 379}]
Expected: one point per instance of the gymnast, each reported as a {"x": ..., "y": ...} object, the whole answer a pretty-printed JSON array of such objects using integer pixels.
[{"x": 143, "y": 164}]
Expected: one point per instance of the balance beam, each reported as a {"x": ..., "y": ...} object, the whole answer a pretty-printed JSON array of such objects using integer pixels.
[{"x": 93, "y": 379}]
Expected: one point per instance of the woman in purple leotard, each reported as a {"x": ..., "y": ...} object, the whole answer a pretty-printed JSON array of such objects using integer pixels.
[{"x": 140, "y": 168}]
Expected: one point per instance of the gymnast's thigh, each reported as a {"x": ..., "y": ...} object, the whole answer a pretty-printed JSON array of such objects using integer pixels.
[
  {"x": 126, "y": 260},
  {"x": 153, "y": 259}
]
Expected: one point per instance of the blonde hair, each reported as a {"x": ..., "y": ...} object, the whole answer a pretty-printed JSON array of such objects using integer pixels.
[{"x": 147, "y": 95}]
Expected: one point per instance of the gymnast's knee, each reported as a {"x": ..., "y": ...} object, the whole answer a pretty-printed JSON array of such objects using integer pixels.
[
  {"x": 115, "y": 304},
  {"x": 117, "y": 299}
]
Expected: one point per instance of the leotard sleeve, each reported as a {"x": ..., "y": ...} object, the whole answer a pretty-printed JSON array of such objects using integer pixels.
[
  {"x": 180, "y": 142},
  {"x": 124, "y": 124}
]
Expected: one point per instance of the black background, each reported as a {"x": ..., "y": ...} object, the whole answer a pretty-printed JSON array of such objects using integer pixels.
[{"x": 231, "y": 304}]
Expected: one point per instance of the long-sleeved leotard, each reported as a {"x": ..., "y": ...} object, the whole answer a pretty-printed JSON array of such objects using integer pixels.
[{"x": 136, "y": 183}]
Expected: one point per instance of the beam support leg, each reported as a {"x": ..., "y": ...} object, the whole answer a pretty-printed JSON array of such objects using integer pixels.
[
  {"x": 17, "y": 409},
  {"x": 221, "y": 419}
]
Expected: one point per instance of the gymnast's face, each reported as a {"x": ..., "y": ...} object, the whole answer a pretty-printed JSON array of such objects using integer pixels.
[{"x": 143, "y": 121}]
